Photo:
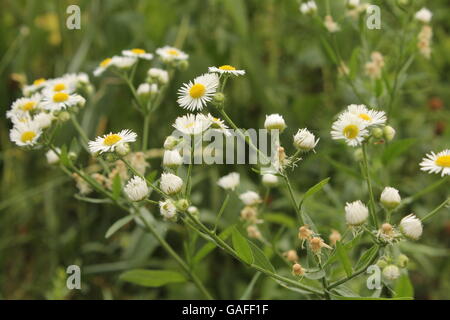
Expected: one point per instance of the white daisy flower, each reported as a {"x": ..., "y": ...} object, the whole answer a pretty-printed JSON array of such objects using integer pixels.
[
  {"x": 23, "y": 106},
  {"x": 136, "y": 189},
  {"x": 169, "y": 54},
  {"x": 34, "y": 87},
  {"x": 391, "y": 272},
  {"x": 308, "y": 7},
  {"x": 167, "y": 209},
  {"x": 146, "y": 89},
  {"x": 196, "y": 94},
  {"x": 304, "y": 140},
  {"x": 270, "y": 180},
  {"x": 411, "y": 227},
  {"x": 423, "y": 15},
  {"x": 250, "y": 198},
  {"x": 172, "y": 158},
  {"x": 56, "y": 101},
  {"x": 350, "y": 128},
  {"x": 158, "y": 75},
  {"x": 138, "y": 53},
  {"x": 123, "y": 63},
  {"x": 192, "y": 124},
  {"x": 437, "y": 163},
  {"x": 170, "y": 183},
  {"x": 227, "y": 69},
  {"x": 25, "y": 134},
  {"x": 64, "y": 84},
  {"x": 230, "y": 181},
  {"x": 109, "y": 142},
  {"x": 219, "y": 125},
  {"x": 371, "y": 117},
  {"x": 274, "y": 122},
  {"x": 52, "y": 156},
  {"x": 105, "y": 64},
  {"x": 78, "y": 78},
  {"x": 356, "y": 213},
  {"x": 390, "y": 197}
]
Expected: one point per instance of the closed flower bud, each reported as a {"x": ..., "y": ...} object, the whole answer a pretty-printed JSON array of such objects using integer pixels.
[
  {"x": 391, "y": 272},
  {"x": 193, "y": 211},
  {"x": 297, "y": 270},
  {"x": 183, "y": 65},
  {"x": 249, "y": 214},
  {"x": 389, "y": 133},
  {"x": 122, "y": 149},
  {"x": 63, "y": 116},
  {"x": 304, "y": 233},
  {"x": 253, "y": 232},
  {"x": 218, "y": 98},
  {"x": 171, "y": 142},
  {"x": 275, "y": 122},
  {"x": 305, "y": 140},
  {"x": 382, "y": 263},
  {"x": 356, "y": 213},
  {"x": 136, "y": 189},
  {"x": 270, "y": 180},
  {"x": 411, "y": 227},
  {"x": 317, "y": 244},
  {"x": 168, "y": 209},
  {"x": 291, "y": 255},
  {"x": 402, "y": 261},
  {"x": 182, "y": 204},
  {"x": 358, "y": 154},
  {"x": 390, "y": 198},
  {"x": 172, "y": 159},
  {"x": 250, "y": 198},
  {"x": 52, "y": 156},
  {"x": 335, "y": 236},
  {"x": 377, "y": 133},
  {"x": 170, "y": 183}
]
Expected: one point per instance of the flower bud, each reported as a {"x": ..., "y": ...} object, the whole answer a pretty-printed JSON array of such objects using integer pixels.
[
  {"x": 171, "y": 142},
  {"x": 377, "y": 133},
  {"x": 402, "y": 261},
  {"x": 170, "y": 183},
  {"x": 390, "y": 198},
  {"x": 182, "y": 204},
  {"x": 391, "y": 272},
  {"x": 172, "y": 159},
  {"x": 183, "y": 65},
  {"x": 193, "y": 211},
  {"x": 63, "y": 116},
  {"x": 136, "y": 189},
  {"x": 270, "y": 180},
  {"x": 389, "y": 133},
  {"x": 356, "y": 213},
  {"x": 305, "y": 140},
  {"x": 291, "y": 256},
  {"x": 218, "y": 98},
  {"x": 122, "y": 149},
  {"x": 297, "y": 270},
  {"x": 335, "y": 236},
  {"x": 274, "y": 122},
  {"x": 382, "y": 263},
  {"x": 358, "y": 154},
  {"x": 411, "y": 227}
]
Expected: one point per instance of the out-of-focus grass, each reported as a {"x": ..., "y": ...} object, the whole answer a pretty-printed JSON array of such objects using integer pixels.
[{"x": 43, "y": 228}]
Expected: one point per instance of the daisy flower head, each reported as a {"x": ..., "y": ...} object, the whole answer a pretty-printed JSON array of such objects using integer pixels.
[
  {"x": 356, "y": 213},
  {"x": 371, "y": 117},
  {"x": 109, "y": 142},
  {"x": 423, "y": 15},
  {"x": 227, "y": 70},
  {"x": 25, "y": 133},
  {"x": 411, "y": 227},
  {"x": 194, "y": 95},
  {"x": 192, "y": 124},
  {"x": 390, "y": 197},
  {"x": 56, "y": 101},
  {"x": 123, "y": 63},
  {"x": 170, "y": 183},
  {"x": 250, "y": 198},
  {"x": 23, "y": 106},
  {"x": 350, "y": 128},
  {"x": 158, "y": 75},
  {"x": 219, "y": 125},
  {"x": 102, "y": 67},
  {"x": 304, "y": 140},
  {"x": 138, "y": 53},
  {"x": 37, "y": 85},
  {"x": 230, "y": 181},
  {"x": 171, "y": 54},
  {"x": 391, "y": 272},
  {"x": 274, "y": 122},
  {"x": 136, "y": 189},
  {"x": 64, "y": 84},
  {"x": 172, "y": 159},
  {"x": 437, "y": 163},
  {"x": 308, "y": 7},
  {"x": 167, "y": 209}
]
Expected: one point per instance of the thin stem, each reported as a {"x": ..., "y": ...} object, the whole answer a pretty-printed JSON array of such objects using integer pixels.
[
  {"x": 433, "y": 212},
  {"x": 222, "y": 209},
  {"x": 324, "y": 281},
  {"x": 145, "y": 131},
  {"x": 294, "y": 202},
  {"x": 369, "y": 186}
]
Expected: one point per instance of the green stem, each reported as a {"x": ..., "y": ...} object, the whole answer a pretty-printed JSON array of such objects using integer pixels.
[
  {"x": 294, "y": 202},
  {"x": 145, "y": 131},
  {"x": 369, "y": 186},
  {"x": 222, "y": 209},
  {"x": 433, "y": 212}
]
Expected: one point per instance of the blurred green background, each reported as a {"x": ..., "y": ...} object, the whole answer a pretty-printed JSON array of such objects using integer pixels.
[{"x": 43, "y": 228}]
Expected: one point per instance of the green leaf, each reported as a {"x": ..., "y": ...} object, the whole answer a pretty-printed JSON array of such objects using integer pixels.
[
  {"x": 314, "y": 189},
  {"x": 152, "y": 278},
  {"x": 248, "y": 291},
  {"x": 152, "y": 175},
  {"x": 354, "y": 62},
  {"x": 260, "y": 259},
  {"x": 116, "y": 187},
  {"x": 240, "y": 244},
  {"x": 329, "y": 51},
  {"x": 343, "y": 257},
  {"x": 366, "y": 257},
  {"x": 403, "y": 287},
  {"x": 368, "y": 298},
  {"x": 210, "y": 246},
  {"x": 396, "y": 149},
  {"x": 308, "y": 221},
  {"x": 378, "y": 87},
  {"x": 64, "y": 156},
  {"x": 117, "y": 225},
  {"x": 315, "y": 275},
  {"x": 280, "y": 218}
]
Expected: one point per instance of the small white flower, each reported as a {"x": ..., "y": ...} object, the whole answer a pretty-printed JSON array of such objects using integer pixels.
[
  {"x": 145, "y": 89},
  {"x": 192, "y": 124},
  {"x": 437, "y": 163},
  {"x": 390, "y": 197},
  {"x": 350, "y": 128},
  {"x": 172, "y": 158},
  {"x": 171, "y": 183},
  {"x": 196, "y": 94},
  {"x": 37, "y": 85},
  {"x": 193, "y": 210},
  {"x": 23, "y": 106},
  {"x": 66, "y": 84},
  {"x": 103, "y": 66},
  {"x": 227, "y": 69},
  {"x": 250, "y": 198},
  {"x": 56, "y": 101},
  {"x": 167, "y": 209},
  {"x": 308, "y": 7},
  {"x": 274, "y": 122},
  {"x": 371, "y": 117},
  {"x": 109, "y": 142},
  {"x": 159, "y": 75},
  {"x": 391, "y": 272},
  {"x": 25, "y": 134},
  {"x": 52, "y": 156},
  {"x": 270, "y": 180},
  {"x": 170, "y": 54},
  {"x": 411, "y": 227},
  {"x": 218, "y": 125},
  {"x": 304, "y": 140},
  {"x": 230, "y": 181},
  {"x": 123, "y": 63},
  {"x": 424, "y": 15},
  {"x": 136, "y": 189},
  {"x": 356, "y": 213},
  {"x": 138, "y": 53},
  {"x": 331, "y": 25}
]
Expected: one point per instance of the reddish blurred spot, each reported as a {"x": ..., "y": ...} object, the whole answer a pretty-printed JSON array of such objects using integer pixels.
[
  {"x": 435, "y": 104},
  {"x": 439, "y": 127},
  {"x": 447, "y": 228}
]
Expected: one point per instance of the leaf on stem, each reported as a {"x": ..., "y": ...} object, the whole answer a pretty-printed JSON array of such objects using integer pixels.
[
  {"x": 242, "y": 247},
  {"x": 117, "y": 225},
  {"x": 152, "y": 278}
]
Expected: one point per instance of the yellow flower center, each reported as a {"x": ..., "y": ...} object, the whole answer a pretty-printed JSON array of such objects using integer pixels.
[
  {"x": 189, "y": 125},
  {"x": 112, "y": 139},
  {"x": 60, "y": 97},
  {"x": 105, "y": 62},
  {"x": 59, "y": 87},
  {"x": 443, "y": 161},
  {"x": 351, "y": 131},
  {"x": 173, "y": 52},
  {"x": 227, "y": 67},
  {"x": 365, "y": 116},
  {"x": 28, "y": 106},
  {"x": 138, "y": 51},
  {"x": 38, "y": 81},
  {"x": 197, "y": 91},
  {"x": 27, "y": 136}
]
